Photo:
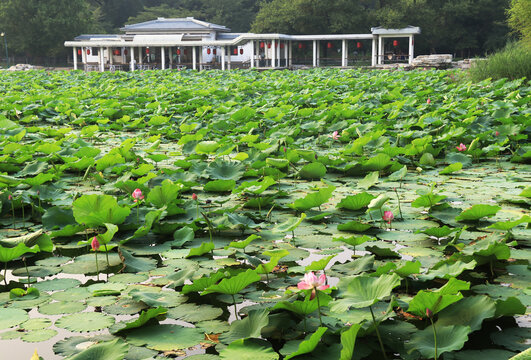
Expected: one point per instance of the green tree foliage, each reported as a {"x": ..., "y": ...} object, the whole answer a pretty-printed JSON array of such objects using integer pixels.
[
  {"x": 520, "y": 18},
  {"x": 39, "y": 28}
]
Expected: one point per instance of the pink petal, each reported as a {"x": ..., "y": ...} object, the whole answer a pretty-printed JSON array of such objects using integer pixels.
[
  {"x": 323, "y": 287},
  {"x": 322, "y": 279},
  {"x": 304, "y": 286}
]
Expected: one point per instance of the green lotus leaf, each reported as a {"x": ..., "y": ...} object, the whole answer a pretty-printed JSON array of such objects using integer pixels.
[
  {"x": 399, "y": 174},
  {"x": 510, "y": 307},
  {"x": 431, "y": 300},
  {"x": 377, "y": 163},
  {"x": 514, "y": 338},
  {"x": 289, "y": 225},
  {"x": 320, "y": 264},
  {"x": 356, "y": 202},
  {"x": 427, "y": 200},
  {"x": 75, "y": 344},
  {"x": 249, "y": 349},
  {"x": 369, "y": 180},
  {"x": 305, "y": 307},
  {"x": 195, "y": 313},
  {"x": 439, "y": 232},
  {"x": 354, "y": 226},
  {"x": 85, "y": 321},
  {"x": 97, "y": 210},
  {"x": 225, "y": 170},
  {"x": 487, "y": 248},
  {"x": 450, "y": 169},
  {"x": 204, "y": 248},
  {"x": 136, "y": 263},
  {"x": 508, "y": 225},
  {"x": 144, "y": 318},
  {"x": 470, "y": 311},
  {"x": 244, "y": 243},
  {"x": 447, "y": 269},
  {"x": 309, "y": 344},
  {"x": 449, "y": 338},
  {"x": 36, "y": 324},
  {"x": 315, "y": 170},
  {"x": 207, "y": 147},
  {"x": 26, "y": 294},
  {"x": 255, "y": 187},
  {"x": 354, "y": 240},
  {"x": 477, "y": 212},
  {"x": 10, "y": 317},
  {"x": 38, "y": 335},
  {"x": 11, "y": 253},
  {"x": 203, "y": 283},
  {"x": 109, "y": 160},
  {"x": 235, "y": 284},
  {"x": 410, "y": 268},
  {"x": 109, "y": 350},
  {"x": 249, "y": 327},
  {"x": 427, "y": 159},
  {"x": 165, "y": 337},
  {"x": 219, "y": 186},
  {"x": 165, "y": 194},
  {"x": 36, "y": 271},
  {"x": 363, "y": 291},
  {"x": 348, "y": 341},
  {"x": 155, "y": 299},
  {"x": 125, "y": 307},
  {"x": 526, "y": 192},
  {"x": 312, "y": 200}
]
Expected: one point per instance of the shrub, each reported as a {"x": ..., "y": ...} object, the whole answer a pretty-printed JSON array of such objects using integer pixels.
[{"x": 513, "y": 62}]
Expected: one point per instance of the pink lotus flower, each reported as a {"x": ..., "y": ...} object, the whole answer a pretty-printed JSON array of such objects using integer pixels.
[
  {"x": 95, "y": 244},
  {"x": 497, "y": 133},
  {"x": 9, "y": 197},
  {"x": 334, "y": 136},
  {"x": 461, "y": 147},
  {"x": 137, "y": 195},
  {"x": 310, "y": 281},
  {"x": 194, "y": 196},
  {"x": 428, "y": 101},
  {"x": 429, "y": 313},
  {"x": 388, "y": 216}
]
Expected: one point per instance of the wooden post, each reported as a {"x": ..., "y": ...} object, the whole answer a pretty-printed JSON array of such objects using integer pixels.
[
  {"x": 162, "y": 57},
  {"x": 194, "y": 59},
  {"x": 75, "y": 57}
]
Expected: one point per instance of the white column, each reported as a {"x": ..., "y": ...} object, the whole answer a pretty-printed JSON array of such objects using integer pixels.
[
  {"x": 286, "y": 53},
  {"x": 194, "y": 59},
  {"x": 318, "y": 52},
  {"x": 200, "y": 58},
  {"x": 344, "y": 54},
  {"x": 74, "y": 51},
  {"x": 274, "y": 54},
  {"x": 140, "y": 57},
  {"x": 110, "y": 54},
  {"x": 411, "y": 49},
  {"x": 252, "y": 54},
  {"x": 314, "y": 53},
  {"x": 229, "y": 57},
  {"x": 374, "y": 59},
  {"x": 290, "y": 52},
  {"x": 84, "y": 56},
  {"x": 222, "y": 58},
  {"x": 162, "y": 57},
  {"x": 102, "y": 65},
  {"x": 256, "y": 53},
  {"x": 380, "y": 50},
  {"x": 132, "y": 64}
]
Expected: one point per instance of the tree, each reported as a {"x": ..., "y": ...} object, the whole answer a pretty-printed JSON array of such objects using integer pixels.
[
  {"x": 39, "y": 28},
  {"x": 520, "y": 18}
]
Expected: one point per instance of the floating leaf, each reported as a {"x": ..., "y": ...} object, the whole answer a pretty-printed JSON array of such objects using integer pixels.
[
  {"x": 477, "y": 212},
  {"x": 85, "y": 321},
  {"x": 450, "y": 169},
  {"x": 314, "y": 199},
  {"x": 235, "y": 284},
  {"x": 356, "y": 202},
  {"x": 314, "y": 170},
  {"x": 109, "y": 350},
  {"x": 165, "y": 337},
  {"x": 249, "y": 349}
]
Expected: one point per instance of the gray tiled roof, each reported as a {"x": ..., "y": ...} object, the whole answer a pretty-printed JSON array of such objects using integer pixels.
[
  {"x": 384, "y": 31},
  {"x": 97, "y": 36},
  {"x": 178, "y": 24}
]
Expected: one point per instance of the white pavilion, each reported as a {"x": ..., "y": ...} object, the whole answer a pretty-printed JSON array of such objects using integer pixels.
[{"x": 190, "y": 43}]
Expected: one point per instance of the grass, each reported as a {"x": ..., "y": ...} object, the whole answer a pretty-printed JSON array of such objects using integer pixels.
[{"x": 513, "y": 62}]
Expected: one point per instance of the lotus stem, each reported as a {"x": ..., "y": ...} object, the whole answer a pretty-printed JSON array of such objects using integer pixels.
[
  {"x": 97, "y": 267},
  {"x": 305, "y": 329},
  {"x": 137, "y": 210},
  {"x": 318, "y": 307},
  {"x": 378, "y": 333},
  {"x": 23, "y": 216},
  {"x": 5, "y": 273},
  {"x": 399, "y": 208},
  {"x": 434, "y": 336},
  {"x": 108, "y": 264},
  {"x": 27, "y": 271},
  {"x": 13, "y": 212},
  {"x": 235, "y": 308}
]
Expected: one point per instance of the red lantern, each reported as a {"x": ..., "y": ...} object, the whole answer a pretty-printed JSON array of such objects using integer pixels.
[
  {"x": 209, "y": 51},
  {"x": 269, "y": 45},
  {"x": 359, "y": 45},
  {"x": 329, "y": 45},
  {"x": 214, "y": 51},
  {"x": 147, "y": 51},
  {"x": 79, "y": 51},
  {"x": 262, "y": 45},
  {"x": 241, "y": 51},
  {"x": 395, "y": 43},
  {"x": 282, "y": 45},
  {"x": 235, "y": 52},
  {"x": 300, "y": 45},
  {"x": 88, "y": 51},
  {"x": 178, "y": 51}
]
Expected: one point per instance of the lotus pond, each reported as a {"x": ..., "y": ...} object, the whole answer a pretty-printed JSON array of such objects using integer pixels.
[{"x": 323, "y": 214}]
